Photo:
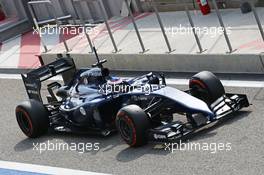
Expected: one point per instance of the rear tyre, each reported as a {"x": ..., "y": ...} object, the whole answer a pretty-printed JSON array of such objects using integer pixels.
[
  {"x": 132, "y": 124},
  {"x": 206, "y": 86},
  {"x": 32, "y": 118}
]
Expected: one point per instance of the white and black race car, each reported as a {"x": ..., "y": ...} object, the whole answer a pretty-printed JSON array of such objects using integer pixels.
[{"x": 140, "y": 108}]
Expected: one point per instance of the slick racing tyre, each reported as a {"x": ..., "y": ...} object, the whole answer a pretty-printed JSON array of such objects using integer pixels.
[
  {"x": 206, "y": 86},
  {"x": 132, "y": 124},
  {"x": 32, "y": 118}
]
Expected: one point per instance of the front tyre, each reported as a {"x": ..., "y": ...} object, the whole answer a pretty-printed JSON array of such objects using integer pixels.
[
  {"x": 206, "y": 86},
  {"x": 132, "y": 124},
  {"x": 32, "y": 118}
]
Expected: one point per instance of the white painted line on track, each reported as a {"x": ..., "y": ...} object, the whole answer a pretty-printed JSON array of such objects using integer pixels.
[
  {"x": 236, "y": 83},
  {"x": 170, "y": 81},
  {"x": 227, "y": 83},
  {"x": 18, "y": 77},
  {"x": 43, "y": 169},
  {"x": 10, "y": 76}
]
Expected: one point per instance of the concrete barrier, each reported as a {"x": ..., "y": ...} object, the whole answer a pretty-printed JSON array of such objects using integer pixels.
[{"x": 218, "y": 63}]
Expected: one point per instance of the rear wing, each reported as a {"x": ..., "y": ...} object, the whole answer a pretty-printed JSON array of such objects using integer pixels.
[{"x": 32, "y": 80}]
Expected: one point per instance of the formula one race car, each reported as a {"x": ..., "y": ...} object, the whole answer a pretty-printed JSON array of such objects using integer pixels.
[{"x": 141, "y": 108}]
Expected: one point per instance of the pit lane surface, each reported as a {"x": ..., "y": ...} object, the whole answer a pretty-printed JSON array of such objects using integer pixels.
[{"x": 244, "y": 131}]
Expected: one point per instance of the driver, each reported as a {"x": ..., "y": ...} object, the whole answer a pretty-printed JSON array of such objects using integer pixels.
[
  {"x": 99, "y": 79},
  {"x": 90, "y": 81},
  {"x": 92, "y": 77}
]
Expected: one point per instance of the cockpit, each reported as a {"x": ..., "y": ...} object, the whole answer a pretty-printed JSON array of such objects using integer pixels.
[{"x": 92, "y": 77}]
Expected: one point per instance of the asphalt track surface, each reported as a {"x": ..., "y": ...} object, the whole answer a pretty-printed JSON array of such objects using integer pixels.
[{"x": 243, "y": 130}]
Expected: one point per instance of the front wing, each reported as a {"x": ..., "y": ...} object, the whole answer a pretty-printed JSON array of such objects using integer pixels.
[{"x": 176, "y": 130}]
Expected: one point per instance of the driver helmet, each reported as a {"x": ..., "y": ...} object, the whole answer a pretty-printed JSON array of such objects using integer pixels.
[{"x": 92, "y": 77}]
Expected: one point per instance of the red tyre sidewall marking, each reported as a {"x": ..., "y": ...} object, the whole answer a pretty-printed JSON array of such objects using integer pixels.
[
  {"x": 193, "y": 81},
  {"x": 28, "y": 119},
  {"x": 130, "y": 122}
]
